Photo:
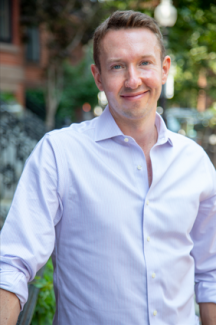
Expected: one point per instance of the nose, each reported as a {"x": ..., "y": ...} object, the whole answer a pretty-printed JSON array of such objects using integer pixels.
[{"x": 133, "y": 79}]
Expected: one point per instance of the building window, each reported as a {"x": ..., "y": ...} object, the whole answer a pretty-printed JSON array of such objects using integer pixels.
[
  {"x": 33, "y": 45},
  {"x": 5, "y": 21}
]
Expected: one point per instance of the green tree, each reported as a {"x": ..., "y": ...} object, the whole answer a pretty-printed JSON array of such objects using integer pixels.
[
  {"x": 79, "y": 87},
  {"x": 69, "y": 23},
  {"x": 191, "y": 41}
]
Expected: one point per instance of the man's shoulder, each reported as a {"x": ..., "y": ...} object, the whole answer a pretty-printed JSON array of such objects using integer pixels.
[
  {"x": 182, "y": 142},
  {"x": 75, "y": 130},
  {"x": 189, "y": 152},
  {"x": 192, "y": 157}
]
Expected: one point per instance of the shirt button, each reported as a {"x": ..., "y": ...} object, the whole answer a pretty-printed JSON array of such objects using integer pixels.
[
  {"x": 155, "y": 312},
  {"x": 147, "y": 202},
  {"x": 139, "y": 167},
  {"x": 153, "y": 275},
  {"x": 126, "y": 139},
  {"x": 148, "y": 238}
]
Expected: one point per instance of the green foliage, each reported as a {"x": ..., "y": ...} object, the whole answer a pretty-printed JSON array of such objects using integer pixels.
[
  {"x": 36, "y": 95},
  {"x": 35, "y": 101},
  {"x": 79, "y": 88},
  {"x": 45, "y": 307},
  {"x": 191, "y": 41},
  {"x": 7, "y": 97}
]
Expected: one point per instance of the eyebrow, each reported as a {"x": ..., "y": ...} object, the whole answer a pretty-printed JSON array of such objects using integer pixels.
[{"x": 142, "y": 57}]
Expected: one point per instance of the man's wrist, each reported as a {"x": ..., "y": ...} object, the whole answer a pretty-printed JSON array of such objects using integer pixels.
[{"x": 208, "y": 313}]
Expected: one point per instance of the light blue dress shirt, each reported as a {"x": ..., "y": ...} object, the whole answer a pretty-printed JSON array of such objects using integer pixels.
[{"x": 123, "y": 253}]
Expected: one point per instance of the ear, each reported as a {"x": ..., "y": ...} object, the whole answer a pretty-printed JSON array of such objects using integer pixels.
[
  {"x": 97, "y": 76},
  {"x": 165, "y": 68}
]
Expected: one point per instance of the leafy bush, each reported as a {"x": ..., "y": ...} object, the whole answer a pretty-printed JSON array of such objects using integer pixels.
[
  {"x": 45, "y": 307},
  {"x": 7, "y": 97},
  {"x": 37, "y": 95},
  {"x": 35, "y": 101}
]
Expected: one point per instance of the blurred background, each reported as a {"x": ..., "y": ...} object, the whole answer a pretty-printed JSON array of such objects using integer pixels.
[{"x": 46, "y": 83}]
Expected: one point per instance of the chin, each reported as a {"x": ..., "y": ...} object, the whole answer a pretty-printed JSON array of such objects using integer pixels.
[
  {"x": 142, "y": 113},
  {"x": 135, "y": 115}
]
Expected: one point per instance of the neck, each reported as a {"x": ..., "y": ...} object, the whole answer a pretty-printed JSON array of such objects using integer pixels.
[{"x": 144, "y": 131}]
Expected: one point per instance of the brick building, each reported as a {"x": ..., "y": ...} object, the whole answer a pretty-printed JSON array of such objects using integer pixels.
[{"x": 21, "y": 63}]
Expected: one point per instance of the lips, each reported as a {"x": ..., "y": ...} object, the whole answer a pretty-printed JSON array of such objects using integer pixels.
[{"x": 134, "y": 96}]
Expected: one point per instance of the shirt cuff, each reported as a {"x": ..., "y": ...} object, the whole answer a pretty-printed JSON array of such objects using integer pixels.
[
  {"x": 205, "y": 292},
  {"x": 14, "y": 281}
]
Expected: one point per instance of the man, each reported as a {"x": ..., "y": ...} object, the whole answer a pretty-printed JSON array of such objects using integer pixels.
[{"x": 126, "y": 208}]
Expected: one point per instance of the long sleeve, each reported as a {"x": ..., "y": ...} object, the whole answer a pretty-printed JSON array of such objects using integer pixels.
[
  {"x": 204, "y": 238},
  {"x": 28, "y": 235}
]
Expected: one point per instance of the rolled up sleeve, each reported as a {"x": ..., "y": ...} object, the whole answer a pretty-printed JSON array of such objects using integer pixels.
[
  {"x": 204, "y": 238},
  {"x": 28, "y": 235}
]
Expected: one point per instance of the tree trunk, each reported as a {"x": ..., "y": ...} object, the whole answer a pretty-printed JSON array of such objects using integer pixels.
[{"x": 54, "y": 90}]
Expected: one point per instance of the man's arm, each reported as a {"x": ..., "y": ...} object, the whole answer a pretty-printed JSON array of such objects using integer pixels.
[
  {"x": 28, "y": 234},
  {"x": 208, "y": 313},
  {"x": 9, "y": 308},
  {"x": 204, "y": 249}
]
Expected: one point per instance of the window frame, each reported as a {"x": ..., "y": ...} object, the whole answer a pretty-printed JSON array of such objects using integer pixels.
[
  {"x": 10, "y": 18},
  {"x": 30, "y": 56}
]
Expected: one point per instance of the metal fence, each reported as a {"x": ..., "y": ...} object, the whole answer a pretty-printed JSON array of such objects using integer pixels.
[
  {"x": 18, "y": 136},
  {"x": 26, "y": 315}
]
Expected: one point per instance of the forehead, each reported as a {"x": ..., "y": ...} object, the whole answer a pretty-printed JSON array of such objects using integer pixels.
[{"x": 133, "y": 42}]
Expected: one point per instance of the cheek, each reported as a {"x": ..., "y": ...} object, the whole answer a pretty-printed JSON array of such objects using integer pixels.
[
  {"x": 111, "y": 96},
  {"x": 112, "y": 85},
  {"x": 151, "y": 78}
]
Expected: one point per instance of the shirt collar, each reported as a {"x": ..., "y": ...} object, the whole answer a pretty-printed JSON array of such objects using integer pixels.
[
  {"x": 164, "y": 135},
  {"x": 107, "y": 128}
]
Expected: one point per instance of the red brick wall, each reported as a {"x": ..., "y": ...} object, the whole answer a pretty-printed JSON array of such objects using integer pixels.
[{"x": 16, "y": 73}]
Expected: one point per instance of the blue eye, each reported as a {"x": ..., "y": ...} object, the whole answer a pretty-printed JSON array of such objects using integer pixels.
[
  {"x": 116, "y": 67},
  {"x": 145, "y": 63}
]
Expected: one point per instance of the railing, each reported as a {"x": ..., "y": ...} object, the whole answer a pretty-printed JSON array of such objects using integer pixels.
[
  {"x": 18, "y": 137},
  {"x": 26, "y": 314}
]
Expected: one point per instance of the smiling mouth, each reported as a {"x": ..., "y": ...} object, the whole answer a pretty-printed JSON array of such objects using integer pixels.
[{"x": 135, "y": 96}]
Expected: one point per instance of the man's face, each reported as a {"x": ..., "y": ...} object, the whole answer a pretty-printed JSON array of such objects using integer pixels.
[{"x": 131, "y": 73}]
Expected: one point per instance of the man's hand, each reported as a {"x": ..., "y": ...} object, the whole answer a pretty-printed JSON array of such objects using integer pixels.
[
  {"x": 9, "y": 308},
  {"x": 208, "y": 313}
]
